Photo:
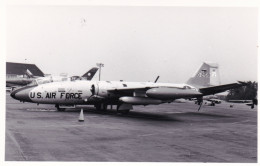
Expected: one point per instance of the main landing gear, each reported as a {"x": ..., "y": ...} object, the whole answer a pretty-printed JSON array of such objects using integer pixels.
[
  {"x": 212, "y": 103},
  {"x": 101, "y": 107},
  {"x": 122, "y": 109},
  {"x": 200, "y": 102}
]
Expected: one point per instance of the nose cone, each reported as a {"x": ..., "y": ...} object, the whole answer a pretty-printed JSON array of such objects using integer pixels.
[{"x": 22, "y": 94}]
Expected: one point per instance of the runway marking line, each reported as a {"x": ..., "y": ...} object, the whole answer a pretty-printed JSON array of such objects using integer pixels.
[
  {"x": 244, "y": 121},
  {"x": 174, "y": 112},
  {"x": 41, "y": 110},
  {"x": 17, "y": 145},
  {"x": 145, "y": 135},
  {"x": 77, "y": 125},
  {"x": 152, "y": 134}
]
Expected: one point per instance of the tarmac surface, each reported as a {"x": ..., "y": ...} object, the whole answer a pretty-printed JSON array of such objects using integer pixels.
[{"x": 174, "y": 132}]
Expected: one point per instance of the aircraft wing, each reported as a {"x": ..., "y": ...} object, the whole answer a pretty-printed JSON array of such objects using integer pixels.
[
  {"x": 169, "y": 93},
  {"x": 157, "y": 92},
  {"x": 128, "y": 90},
  {"x": 221, "y": 88}
]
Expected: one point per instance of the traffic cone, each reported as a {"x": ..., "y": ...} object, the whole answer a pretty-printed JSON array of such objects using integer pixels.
[{"x": 81, "y": 116}]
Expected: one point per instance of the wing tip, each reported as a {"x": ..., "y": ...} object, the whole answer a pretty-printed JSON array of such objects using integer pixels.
[{"x": 243, "y": 83}]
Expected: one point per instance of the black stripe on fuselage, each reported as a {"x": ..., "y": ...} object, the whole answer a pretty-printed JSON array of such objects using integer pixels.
[{"x": 20, "y": 89}]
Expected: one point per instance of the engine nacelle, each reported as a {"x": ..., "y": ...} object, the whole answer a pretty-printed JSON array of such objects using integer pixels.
[{"x": 165, "y": 93}]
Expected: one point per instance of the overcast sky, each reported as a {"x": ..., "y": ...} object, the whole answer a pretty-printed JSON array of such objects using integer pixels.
[{"x": 135, "y": 43}]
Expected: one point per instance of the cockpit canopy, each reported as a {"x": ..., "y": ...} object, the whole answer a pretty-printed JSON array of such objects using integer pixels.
[{"x": 74, "y": 78}]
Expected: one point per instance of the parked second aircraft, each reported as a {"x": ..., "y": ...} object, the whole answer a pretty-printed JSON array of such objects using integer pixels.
[{"x": 19, "y": 82}]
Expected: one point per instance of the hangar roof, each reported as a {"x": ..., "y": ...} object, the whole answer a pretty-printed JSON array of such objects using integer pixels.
[{"x": 20, "y": 69}]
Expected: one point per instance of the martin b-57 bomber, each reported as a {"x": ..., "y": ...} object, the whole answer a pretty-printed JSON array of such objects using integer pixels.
[{"x": 123, "y": 94}]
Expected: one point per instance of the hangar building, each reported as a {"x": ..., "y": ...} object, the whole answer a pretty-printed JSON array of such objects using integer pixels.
[{"x": 18, "y": 70}]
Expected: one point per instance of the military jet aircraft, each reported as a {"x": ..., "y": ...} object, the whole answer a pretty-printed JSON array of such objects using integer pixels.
[
  {"x": 32, "y": 80},
  {"x": 120, "y": 93},
  {"x": 43, "y": 80}
]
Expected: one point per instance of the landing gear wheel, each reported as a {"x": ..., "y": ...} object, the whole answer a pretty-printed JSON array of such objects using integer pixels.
[
  {"x": 98, "y": 107},
  {"x": 124, "y": 112},
  {"x": 59, "y": 109},
  {"x": 101, "y": 107}
]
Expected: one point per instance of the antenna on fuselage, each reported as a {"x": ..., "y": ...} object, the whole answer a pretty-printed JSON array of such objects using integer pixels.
[{"x": 157, "y": 79}]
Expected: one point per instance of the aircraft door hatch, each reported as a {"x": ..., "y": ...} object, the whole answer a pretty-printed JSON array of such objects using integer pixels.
[{"x": 93, "y": 89}]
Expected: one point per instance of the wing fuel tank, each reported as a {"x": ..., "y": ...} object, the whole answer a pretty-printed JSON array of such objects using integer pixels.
[
  {"x": 171, "y": 93},
  {"x": 139, "y": 100}
]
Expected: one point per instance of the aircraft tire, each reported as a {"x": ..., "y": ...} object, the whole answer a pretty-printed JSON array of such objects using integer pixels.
[
  {"x": 59, "y": 109},
  {"x": 98, "y": 107},
  {"x": 103, "y": 107},
  {"x": 124, "y": 112}
]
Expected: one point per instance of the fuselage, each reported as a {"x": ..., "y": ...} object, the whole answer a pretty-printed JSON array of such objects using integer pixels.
[{"x": 88, "y": 92}]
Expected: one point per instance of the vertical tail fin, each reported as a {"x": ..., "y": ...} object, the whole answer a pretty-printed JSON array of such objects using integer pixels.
[
  {"x": 90, "y": 74},
  {"x": 29, "y": 74},
  {"x": 206, "y": 76}
]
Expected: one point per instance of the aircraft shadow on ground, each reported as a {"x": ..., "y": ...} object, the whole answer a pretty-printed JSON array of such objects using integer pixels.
[
  {"x": 154, "y": 116},
  {"x": 131, "y": 115},
  {"x": 179, "y": 117}
]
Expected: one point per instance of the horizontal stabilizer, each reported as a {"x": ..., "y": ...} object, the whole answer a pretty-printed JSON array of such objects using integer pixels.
[
  {"x": 29, "y": 74},
  {"x": 221, "y": 88}
]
